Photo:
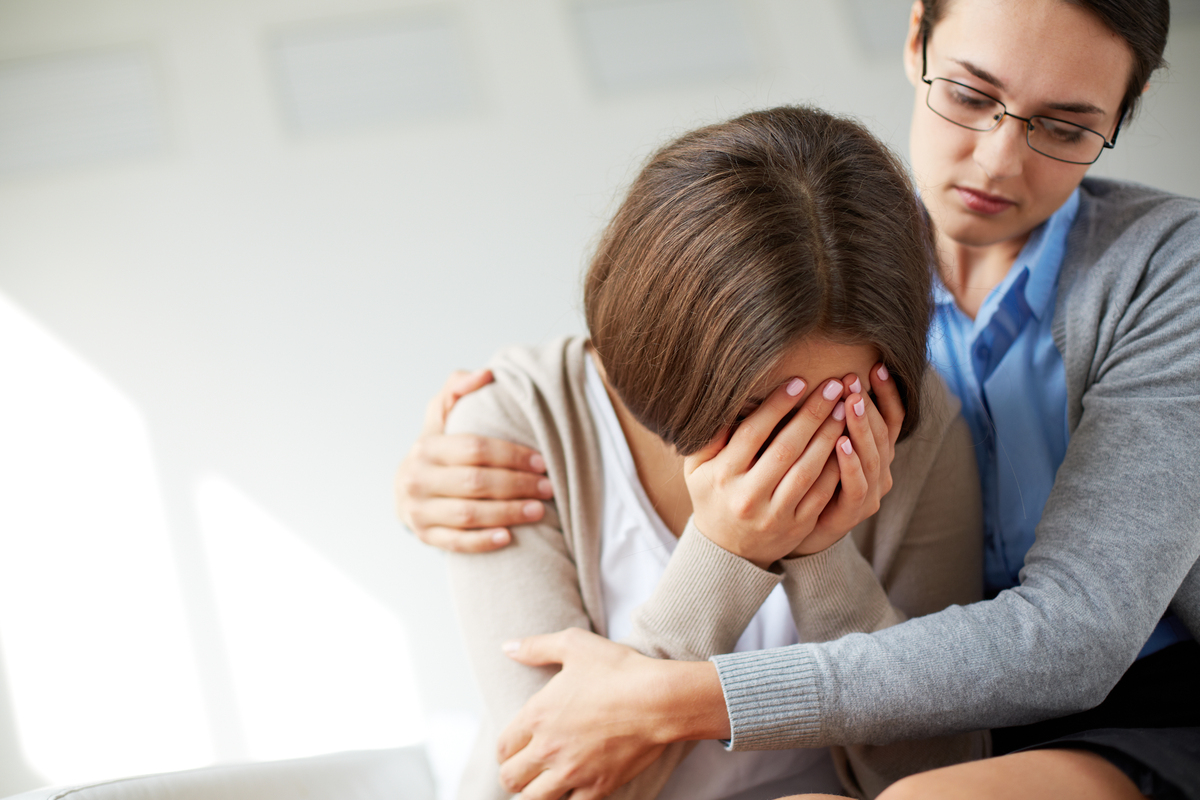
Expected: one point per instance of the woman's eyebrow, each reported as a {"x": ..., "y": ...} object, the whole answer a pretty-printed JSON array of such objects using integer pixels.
[
  {"x": 980, "y": 72},
  {"x": 987, "y": 77}
]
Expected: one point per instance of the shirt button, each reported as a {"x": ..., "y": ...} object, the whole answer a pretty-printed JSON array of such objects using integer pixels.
[{"x": 982, "y": 350}]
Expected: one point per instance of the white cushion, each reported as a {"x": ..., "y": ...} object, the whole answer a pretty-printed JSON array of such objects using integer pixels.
[{"x": 397, "y": 774}]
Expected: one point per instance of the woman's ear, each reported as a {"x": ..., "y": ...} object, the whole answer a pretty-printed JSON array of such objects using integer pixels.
[{"x": 912, "y": 45}]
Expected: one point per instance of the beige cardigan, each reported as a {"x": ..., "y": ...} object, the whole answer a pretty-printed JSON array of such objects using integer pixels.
[{"x": 920, "y": 553}]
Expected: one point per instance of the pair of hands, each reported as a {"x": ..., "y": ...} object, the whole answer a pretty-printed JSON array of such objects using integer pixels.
[
  {"x": 763, "y": 492},
  {"x": 776, "y": 486}
]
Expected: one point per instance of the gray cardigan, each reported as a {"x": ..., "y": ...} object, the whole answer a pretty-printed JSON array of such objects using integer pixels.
[{"x": 1117, "y": 544}]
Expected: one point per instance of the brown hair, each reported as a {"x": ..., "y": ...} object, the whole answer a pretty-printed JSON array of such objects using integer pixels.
[
  {"x": 739, "y": 239},
  {"x": 1143, "y": 24}
]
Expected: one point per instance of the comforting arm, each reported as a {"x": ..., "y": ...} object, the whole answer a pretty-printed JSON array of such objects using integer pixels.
[{"x": 1115, "y": 542}]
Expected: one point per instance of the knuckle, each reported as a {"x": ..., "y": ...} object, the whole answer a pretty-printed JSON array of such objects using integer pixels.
[
  {"x": 409, "y": 483},
  {"x": 474, "y": 480},
  {"x": 742, "y": 505},
  {"x": 465, "y": 514},
  {"x": 475, "y": 449}
]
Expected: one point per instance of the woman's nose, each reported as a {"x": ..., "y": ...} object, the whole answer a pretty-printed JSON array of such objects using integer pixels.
[{"x": 1001, "y": 152}]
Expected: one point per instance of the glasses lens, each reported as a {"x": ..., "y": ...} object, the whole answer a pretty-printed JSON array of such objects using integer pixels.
[
  {"x": 1064, "y": 141},
  {"x": 964, "y": 106}
]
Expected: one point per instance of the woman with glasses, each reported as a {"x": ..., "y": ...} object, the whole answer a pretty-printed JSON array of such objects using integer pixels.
[{"x": 1067, "y": 322}]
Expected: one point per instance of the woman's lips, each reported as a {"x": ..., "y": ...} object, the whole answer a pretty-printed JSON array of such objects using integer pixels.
[{"x": 983, "y": 203}]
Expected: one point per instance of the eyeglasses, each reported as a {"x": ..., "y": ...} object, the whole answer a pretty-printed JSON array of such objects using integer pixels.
[{"x": 972, "y": 109}]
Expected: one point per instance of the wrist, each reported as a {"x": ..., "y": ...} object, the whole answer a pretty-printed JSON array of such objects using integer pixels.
[
  {"x": 734, "y": 546},
  {"x": 690, "y": 702}
]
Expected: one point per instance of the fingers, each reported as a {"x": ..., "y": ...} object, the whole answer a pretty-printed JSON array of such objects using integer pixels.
[
  {"x": 816, "y": 499},
  {"x": 546, "y": 785},
  {"x": 814, "y": 465},
  {"x": 545, "y": 648},
  {"x": 758, "y": 426},
  {"x": 486, "y": 483},
  {"x": 465, "y": 515},
  {"x": 456, "y": 541},
  {"x": 808, "y": 437},
  {"x": 478, "y": 451},
  {"x": 867, "y": 431},
  {"x": 887, "y": 398}
]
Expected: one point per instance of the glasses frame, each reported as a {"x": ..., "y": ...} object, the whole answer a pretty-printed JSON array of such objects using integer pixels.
[{"x": 1109, "y": 144}]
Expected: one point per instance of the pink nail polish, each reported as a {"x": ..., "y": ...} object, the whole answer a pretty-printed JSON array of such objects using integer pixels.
[
  {"x": 847, "y": 448},
  {"x": 795, "y": 387},
  {"x": 839, "y": 411},
  {"x": 500, "y": 537},
  {"x": 832, "y": 390},
  {"x": 532, "y": 510},
  {"x": 546, "y": 489},
  {"x": 882, "y": 372},
  {"x": 537, "y": 463},
  {"x": 511, "y": 646},
  {"x": 860, "y": 408},
  {"x": 856, "y": 387}
]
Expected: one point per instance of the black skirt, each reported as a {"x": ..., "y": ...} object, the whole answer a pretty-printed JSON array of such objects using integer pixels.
[{"x": 1148, "y": 726}]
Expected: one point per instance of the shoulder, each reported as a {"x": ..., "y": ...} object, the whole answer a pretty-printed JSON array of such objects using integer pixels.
[
  {"x": 534, "y": 387},
  {"x": 1119, "y": 222}
]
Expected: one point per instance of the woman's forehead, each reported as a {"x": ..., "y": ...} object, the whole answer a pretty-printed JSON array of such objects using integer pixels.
[{"x": 1044, "y": 52}]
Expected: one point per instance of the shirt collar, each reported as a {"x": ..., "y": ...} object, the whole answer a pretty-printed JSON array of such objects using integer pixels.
[{"x": 1043, "y": 255}]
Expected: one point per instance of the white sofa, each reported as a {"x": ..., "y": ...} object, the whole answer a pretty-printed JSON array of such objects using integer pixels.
[{"x": 397, "y": 774}]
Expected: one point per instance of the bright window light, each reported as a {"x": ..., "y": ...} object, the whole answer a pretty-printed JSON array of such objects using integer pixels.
[
  {"x": 318, "y": 665},
  {"x": 95, "y": 642}
]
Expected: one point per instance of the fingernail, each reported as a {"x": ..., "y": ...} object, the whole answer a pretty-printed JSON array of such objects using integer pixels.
[
  {"x": 795, "y": 387},
  {"x": 860, "y": 408},
  {"x": 856, "y": 387},
  {"x": 847, "y": 448},
  {"x": 532, "y": 509},
  {"x": 839, "y": 411},
  {"x": 511, "y": 646},
  {"x": 832, "y": 390},
  {"x": 546, "y": 488},
  {"x": 537, "y": 463},
  {"x": 500, "y": 537},
  {"x": 882, "y": 372}
]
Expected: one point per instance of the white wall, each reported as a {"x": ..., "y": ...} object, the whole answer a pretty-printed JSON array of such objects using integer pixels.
[{"x": 271, "y": 309}]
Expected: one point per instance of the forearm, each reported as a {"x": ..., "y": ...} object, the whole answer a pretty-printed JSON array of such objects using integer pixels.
[{"x": 702, "y": 604}]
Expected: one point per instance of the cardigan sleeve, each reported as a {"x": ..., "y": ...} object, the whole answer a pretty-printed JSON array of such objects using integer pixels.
[{"x": 530, "y": 587}]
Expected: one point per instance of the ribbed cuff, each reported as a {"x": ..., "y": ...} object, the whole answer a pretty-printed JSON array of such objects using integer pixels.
[
  {"x": 772, "y": 698},
  {"x": 704, "y": 601}
]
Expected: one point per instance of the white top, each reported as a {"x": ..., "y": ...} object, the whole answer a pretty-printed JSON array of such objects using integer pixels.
[{"x": 634, "y": 550}]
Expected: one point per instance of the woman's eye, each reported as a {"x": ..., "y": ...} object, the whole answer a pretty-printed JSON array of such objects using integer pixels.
[
  {"x": 969, "y": 99},
  {"x": 1067, "y": 134}
]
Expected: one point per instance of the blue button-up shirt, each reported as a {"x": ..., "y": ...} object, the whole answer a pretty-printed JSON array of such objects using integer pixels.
[{"x": 1005, "y": 368}]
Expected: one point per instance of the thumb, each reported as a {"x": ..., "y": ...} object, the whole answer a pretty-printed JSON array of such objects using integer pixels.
[
  {"x": 461, "y": 383},
  {"x": 707, "y": 453},
  {"x": 458, "y": 384},
  {"x": 543, "y": 649}
]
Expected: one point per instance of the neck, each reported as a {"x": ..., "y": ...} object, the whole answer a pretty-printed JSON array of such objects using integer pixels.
[
  {"x": 659, "y": 466},
  {"x": 970, "y": 272}
]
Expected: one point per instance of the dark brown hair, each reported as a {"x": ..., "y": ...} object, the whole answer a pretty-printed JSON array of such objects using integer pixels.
[
  {"x": 1143, "y": 24},
  {"x": 739, "y": 239}
]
